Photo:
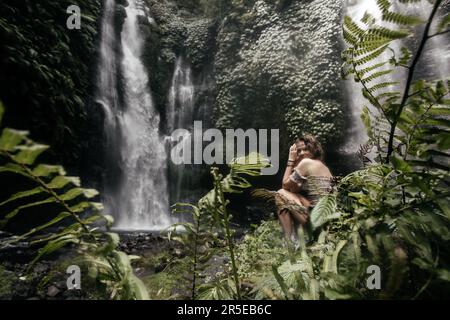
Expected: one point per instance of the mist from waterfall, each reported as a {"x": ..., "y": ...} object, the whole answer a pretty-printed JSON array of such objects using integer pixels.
[{"x": 140, "y": 201}]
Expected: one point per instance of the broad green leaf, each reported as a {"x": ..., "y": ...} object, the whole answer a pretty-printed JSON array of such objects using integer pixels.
[
  {"x": 59, "y": 218},
  {"x": 54, "y": 245},
  {"x": 139, "y": 289},
  {"x": 324, "y": 211},
  {"x": 281, "y": 283},
  {"x": 400, "y": 165},
  {"x": 28, "y": 154},
  {"x": 11, "y": 138},
  {"x": 23, "y": 194},
  {"x": 44, "y": 170},
  {"x": 61, "y": 181}
]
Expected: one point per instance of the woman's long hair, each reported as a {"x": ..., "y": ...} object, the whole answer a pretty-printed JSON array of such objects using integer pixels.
[{"x": 312, "y": 145}]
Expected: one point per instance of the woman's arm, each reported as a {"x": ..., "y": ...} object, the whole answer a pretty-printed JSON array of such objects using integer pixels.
[
  {"x": 293, "y": 184},
  {"x": 287, "y": 184}
]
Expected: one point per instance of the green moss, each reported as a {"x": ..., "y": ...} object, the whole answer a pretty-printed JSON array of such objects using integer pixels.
[
  {"x": 171, "y": 283},
  {"x": 160, "y": 285},
  {"x": 6, "y": 282}
]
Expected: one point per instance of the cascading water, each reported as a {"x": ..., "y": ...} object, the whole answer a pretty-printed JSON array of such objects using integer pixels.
[
  {"x": 181, "y": 97},
  {"x": 107, "y": 88},
  {"x": 140, "y": 201},
  {"x": 180, "y": 114}
]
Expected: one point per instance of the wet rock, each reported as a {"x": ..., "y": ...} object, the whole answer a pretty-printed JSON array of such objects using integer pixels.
[
  {"x": 41, "y": 268},
  {"x": 61, "y": 285},
  {"x": 52, "y": 291}
]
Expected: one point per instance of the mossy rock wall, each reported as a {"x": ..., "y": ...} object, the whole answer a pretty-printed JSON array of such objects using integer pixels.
[
  {"x": 275, "y": 64},
  {"x": 280, "y": 68}
]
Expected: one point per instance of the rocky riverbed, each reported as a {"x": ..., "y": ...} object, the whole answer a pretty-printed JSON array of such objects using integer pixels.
[{"x": 163, "y": 266}]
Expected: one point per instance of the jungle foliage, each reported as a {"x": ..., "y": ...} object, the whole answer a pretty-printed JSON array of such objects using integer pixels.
[
  {"x": 46, "y": 71},
  {"x": 211, "y": 227},
  {"x": 71, "y": 217},
  {"x": 393, "y": 213}
]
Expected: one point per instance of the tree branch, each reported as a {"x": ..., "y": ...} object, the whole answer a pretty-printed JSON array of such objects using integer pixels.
[
  {"x": 409, "y": 80},
  {"x": 439, "y": 33}
]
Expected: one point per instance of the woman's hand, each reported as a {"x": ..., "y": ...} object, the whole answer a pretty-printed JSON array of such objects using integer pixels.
[{"x": 293, "y": 153}]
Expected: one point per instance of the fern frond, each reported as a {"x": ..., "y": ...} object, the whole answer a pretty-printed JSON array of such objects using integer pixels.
[
  {"x": 401, "y": 19},
  {"x": 387, "y": 33},
  {"x": 371, "y": 68},
  {"x": 263, "y": 194},
  {"x": 65, "y": 201},
  {"x": 352, "y": 27},
  {"x": 376, "y": 75},
  {"x": 373, "y": 55},
  {"x": 324, "y": 211},
  {"x": 349, "y": 38},
  {"x": 368, "y": 46},
  {"x": 383, "y": 5},
  {"x": 383, "y": 85}
]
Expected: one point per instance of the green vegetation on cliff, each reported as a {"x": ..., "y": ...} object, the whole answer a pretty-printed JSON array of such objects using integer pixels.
[
  {"x": 46, "y": 70},
  {"x": 274, "y": 63}
]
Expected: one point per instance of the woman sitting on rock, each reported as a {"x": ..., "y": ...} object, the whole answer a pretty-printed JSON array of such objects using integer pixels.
[{"x": 305, "y": 180}]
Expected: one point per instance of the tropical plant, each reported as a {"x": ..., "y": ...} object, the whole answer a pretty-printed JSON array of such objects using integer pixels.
[
  {"x": 212, "y": 220},
  {"x": 39, "y": 55},
  {"x": 394, "y": 213},
  {"x": 70, "y": 216}
]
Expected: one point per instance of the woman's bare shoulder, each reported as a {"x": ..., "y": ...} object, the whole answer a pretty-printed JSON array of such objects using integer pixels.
[
  {"x": 304, "y": 164},
  {"x": 309, "y": 166},
  {"x": 306, "y": 161}
]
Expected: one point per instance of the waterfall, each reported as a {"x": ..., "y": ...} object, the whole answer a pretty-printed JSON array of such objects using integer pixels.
[
  {"x": 140, "y": 200},
  {"x": 434, "y": 61},
  {"x": 180, "y": 114},
  {"x": 107, "y": 93},
  {"x": 181, "y": 97}
]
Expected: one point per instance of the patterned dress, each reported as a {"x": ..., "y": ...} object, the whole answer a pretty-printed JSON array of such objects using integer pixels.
[{"x": 311, "y": 187}]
